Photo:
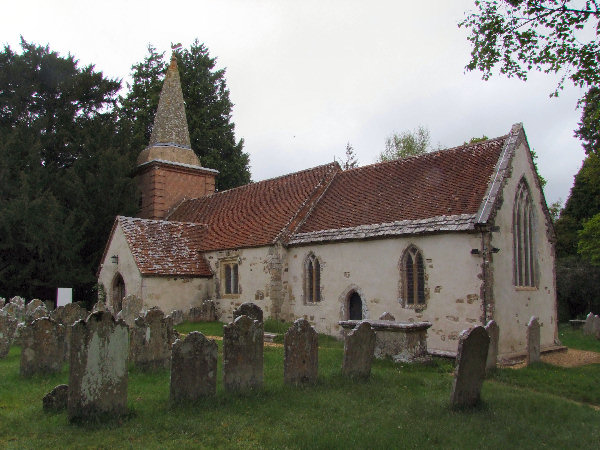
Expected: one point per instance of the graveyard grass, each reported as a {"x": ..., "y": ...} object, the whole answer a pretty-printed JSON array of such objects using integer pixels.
[{"x": 399, "y": 406}]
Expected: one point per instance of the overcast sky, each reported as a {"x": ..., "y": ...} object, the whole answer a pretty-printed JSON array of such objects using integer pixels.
[{"x": 306, "y": 77}]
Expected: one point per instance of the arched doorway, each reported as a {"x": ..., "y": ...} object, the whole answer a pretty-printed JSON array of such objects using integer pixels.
[
  {"x": 355, "y": 307},
  {"x": 118, "y": 292}
]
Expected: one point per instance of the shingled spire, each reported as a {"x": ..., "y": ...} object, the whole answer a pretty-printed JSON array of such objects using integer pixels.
[{"x": 168, "y": 169}]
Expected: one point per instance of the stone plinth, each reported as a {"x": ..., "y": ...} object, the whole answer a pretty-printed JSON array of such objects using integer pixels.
[{"x": 401, "y": 341}]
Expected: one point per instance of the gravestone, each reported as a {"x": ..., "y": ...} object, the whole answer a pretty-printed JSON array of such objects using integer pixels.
[
  {"x": 67, "y": 315},
  {"x": 56, "y": 399},
  {"x": 193, "y": 368},
  {"x": 8, "y": 326},
  {"x": 359, "y": 349},
  {"x": 37, "y": 313},
  {"x": 387, "y": 316},
  {"x": 14, "y": 310},
  {"x": 151, "y": 338},
  {"x": 2, "y": 302},
  {"x": 248, "y": 309},
  {"x": 588, "y": 327},
  {"x": 533, "y": 341},
  {"x": 301, "y": 353},
  {"x": 18, "y": 301},
  {"x": 132, "y": 308},
  {"x": 596, "y": 327},
  {"x": 99, "y": 306},
  {"x": 177, "y": 316},
  {"x": 42, "y": 347},
  {"x": 243, "y": 354},
  {"x": 32, "y": 305},
  {"x": 205, "y": 313},
  {"x": 493, "y": 332},
  {"x": 473, "y": 345},
  {"x": 98, "y": 368}
]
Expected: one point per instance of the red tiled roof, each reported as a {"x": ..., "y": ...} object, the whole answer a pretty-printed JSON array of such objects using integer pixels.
[
  {"x": 443, "y": 183},
  {"x": 258, "y": 213},
  {"x": 160, "y": 247}
]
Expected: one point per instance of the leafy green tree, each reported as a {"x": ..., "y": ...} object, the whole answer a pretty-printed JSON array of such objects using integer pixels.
[
  {"x": 62, "y": 178},
  {"x": 589, "y": 240},
  {"x": 551, "y": 36},
  {"x": 208, "y": 110},
  {"x": 405, "y": 144},
  {"x": 589, "y": 127}
]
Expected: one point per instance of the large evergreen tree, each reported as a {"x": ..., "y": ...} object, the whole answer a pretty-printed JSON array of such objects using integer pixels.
[
  {"x": 62, "y": 178},
  {"x": 208, "y": 110}
]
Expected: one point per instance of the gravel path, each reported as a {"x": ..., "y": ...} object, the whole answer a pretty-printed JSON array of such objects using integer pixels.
[{"x": 569, "y": 358}]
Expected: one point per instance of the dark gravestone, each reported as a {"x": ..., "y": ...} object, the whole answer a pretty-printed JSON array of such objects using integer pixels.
[
  {"x": 248, "y": 309},
  {"x": 493, "y": 332},
  {"x": 469, "y": 373},
  {"x": 359, "y": 349},
  {"x": 243, "y": 354},
  {"x": 56, "y": 399},
  {"x": 151, "y": 338},
  {"x": 8, "y": 326},
  {"x": 43, "y": 347},
  {"x": 98, "y": 371},
  {"x": 301, "y": 351},
  {"x": 533, "y": 341},
  {"x": 193, "y": 368}
]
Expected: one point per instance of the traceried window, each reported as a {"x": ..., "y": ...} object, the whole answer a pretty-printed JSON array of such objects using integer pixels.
[
  {"x": 230, "y": 278},
  {"x": 413, "y": 277},
  {"x": 524, "y": 238},
  {"x": 312, "y": 279}
]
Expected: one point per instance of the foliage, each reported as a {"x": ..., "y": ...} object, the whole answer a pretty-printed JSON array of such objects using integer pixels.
[
  {"x": 401, "y": 406},
  {"x": 208, "y": 110},
  {"x": 550, "y": 36},
  {"x": 64, "y": 173},
  {"x": 589, "y": 127},
  {"x": 589, "y": 240},
  {"x": 475, "y": 140},
  {"x": 350, "y": 161},
  {"x": 554, "y": 210},
  {"x": 577, "y": 287},
  {"x": 405, "y": 144}
]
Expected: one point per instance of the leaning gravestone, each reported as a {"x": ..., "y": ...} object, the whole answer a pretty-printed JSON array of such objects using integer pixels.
[
  {"x": 8, "y": 326},
  {"x": 533, "y": 341},
  {"x": 132, "y": 308},
  {"x": 98, "y": 369},
  {"x": 151, "y": 338},
  {"x": 473, "y": 345},
  {"x": 588, "y": 326},
  {"x": 301, "y": 357},
  {"x": 56, "y": 399},
  {"x": 493, "y": 332},
  {"x": 193, "y": 368},
  {"x": 359, "y": 349},
  {"x": 42, "y": 347},
  {"x": 248, "y": 309},
  {"x": 243, "y": 354}
]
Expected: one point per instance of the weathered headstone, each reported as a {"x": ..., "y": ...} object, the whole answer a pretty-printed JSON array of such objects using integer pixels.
[
  {"x": 2, "y": 302},
  {"x": 493, "y": 332},
  {"x": 249, "y": 309},
  {"x": 193, "y": 368},
  {"x": 67, "y": 315},
  {"x": 205, "y": 313},
  {"x": 387, "y": 316},
  {"x": 243, "y": 354},
  {"x": 56, "y": 399},
  {"x": 43, "y": 347},
  {"x": 132, "y": 308},
  {"x": 18, "y": 301},
  {"x": 301, "y": 353},
  {"x": 177, "y": 316},
  {"x": 37, "y": 313},
  {"x": 8, "y": 326},
  {"x": 98, "y": 369},
  {"x": 151, "y": 338},
  {"x": 32, "y": 305},
  {"x": 14, "y": 310},
  {"x": 588, "y": 327},
  {"x": 473, "y": 345},
  {"x": 596, "y": 327},
  {"x": 533, "y": 341},
  {"x": 99, "y": 306},
  {"x": 359, "y": 349}
]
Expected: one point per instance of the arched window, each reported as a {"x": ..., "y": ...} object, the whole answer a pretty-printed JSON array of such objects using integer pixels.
[
  {"x": 413, "y": 277},
  {"x": 118, "y": 292},
  {"x": 312, "y": 279},
  {"x": 524, "y": 238}
]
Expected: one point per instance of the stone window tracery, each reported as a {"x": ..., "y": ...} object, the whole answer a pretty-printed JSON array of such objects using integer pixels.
[
  {"x": 524, "y": 238},
  {"x": 312, "y": 279},
  {"x": 413, "y": 277},
  {"x": 230, "y": 278}
]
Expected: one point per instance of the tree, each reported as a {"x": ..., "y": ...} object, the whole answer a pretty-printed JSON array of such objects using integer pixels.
[
  {"x": 550, "y": 36},
  {"x": 589, "y": 240},
  {"x": 208, "y": 110},
  {"x": 64, "y": 175},
  {"x": 405, "y": 144},
  {"x": 350, "y": 161},
  {"x": 589, "y": 127}
]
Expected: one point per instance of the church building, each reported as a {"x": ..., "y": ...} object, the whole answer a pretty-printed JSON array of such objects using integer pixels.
[{"x": 455, "y": 237}]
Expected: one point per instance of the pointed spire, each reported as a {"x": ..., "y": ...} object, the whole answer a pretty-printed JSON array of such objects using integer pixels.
[{"x": 170, "y": 123}]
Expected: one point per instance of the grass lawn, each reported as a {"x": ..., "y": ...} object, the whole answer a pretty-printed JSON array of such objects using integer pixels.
[{"x": 401, "y": 406}]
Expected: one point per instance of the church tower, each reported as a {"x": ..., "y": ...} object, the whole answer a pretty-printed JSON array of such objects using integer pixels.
[{"x": 168, "y": 170}]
